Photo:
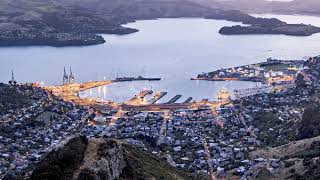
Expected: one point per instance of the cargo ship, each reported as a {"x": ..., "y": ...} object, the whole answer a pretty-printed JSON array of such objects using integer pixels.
[{"x": 139, "y": 78}]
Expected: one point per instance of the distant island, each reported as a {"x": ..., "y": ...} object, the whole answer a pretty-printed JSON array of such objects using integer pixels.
[
  {"x": 286, "y": 29},
  {"x": 262, "y": 25},
  {"x": 78, "y": 23}
]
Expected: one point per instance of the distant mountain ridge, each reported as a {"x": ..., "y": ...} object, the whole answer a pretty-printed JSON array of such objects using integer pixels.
[
  {"x": 77, "y": 22},
  {"x": 311, "y": 7}
]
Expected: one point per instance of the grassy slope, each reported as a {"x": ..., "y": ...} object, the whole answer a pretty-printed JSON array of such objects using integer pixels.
[
  {"x": 300, "y": 159},
  {"x": 142, "y": 165}
]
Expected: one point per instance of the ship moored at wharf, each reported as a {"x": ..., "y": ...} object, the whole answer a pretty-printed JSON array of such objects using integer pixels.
[{"x": 139, "y": 78}]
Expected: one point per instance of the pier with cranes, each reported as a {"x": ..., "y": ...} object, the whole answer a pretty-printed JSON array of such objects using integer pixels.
[{"x": 69, "y": 91}]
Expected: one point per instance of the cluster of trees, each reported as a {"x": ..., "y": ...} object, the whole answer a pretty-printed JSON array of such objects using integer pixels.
[{"x": 310, "y": 124}]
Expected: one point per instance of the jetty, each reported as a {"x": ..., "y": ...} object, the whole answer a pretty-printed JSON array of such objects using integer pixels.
[
  {"x": 157, "y": 97},
  {"x": 139, "y": 98},
  {"x": 174, "y": 99},
  {"x": 188, "y": 100}
]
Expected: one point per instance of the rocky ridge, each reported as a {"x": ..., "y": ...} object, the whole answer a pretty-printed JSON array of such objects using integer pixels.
[{"x": 83, "y": 158}]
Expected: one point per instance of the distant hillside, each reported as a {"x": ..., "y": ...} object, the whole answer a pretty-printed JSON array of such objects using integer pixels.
[
  {"x": 77, "y": 22},
  {"x": 86, "y": 159},
  {"x": 311, "y": 7}
]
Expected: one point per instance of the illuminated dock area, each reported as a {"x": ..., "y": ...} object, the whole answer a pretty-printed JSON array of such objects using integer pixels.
[
  {"x": 139, "y": 98},
  {"x": 69, "y": 91}
]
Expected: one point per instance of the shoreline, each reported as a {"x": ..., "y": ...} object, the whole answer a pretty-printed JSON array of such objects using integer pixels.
[{"x": 126, "y": 30}]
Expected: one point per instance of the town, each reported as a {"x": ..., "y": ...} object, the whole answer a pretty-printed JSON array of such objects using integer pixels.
[
  {"x": 218, "y": 139},
  {"x": 271, "y": 71}
]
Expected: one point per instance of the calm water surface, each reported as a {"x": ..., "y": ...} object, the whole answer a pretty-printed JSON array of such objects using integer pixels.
[{"x": 173, "y": 49}]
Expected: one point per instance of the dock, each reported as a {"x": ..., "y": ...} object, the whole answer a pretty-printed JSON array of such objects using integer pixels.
[
  {"x": 171, "y": 107},
  {"x": 76, "y": 87},
  {"x": 188, "y": 100},
  {"x": 137, "y": 99},
  {"x": 174, "y": 99},
  {"x": 142, "y": 94},
  {"x": 157, "y": 97}
]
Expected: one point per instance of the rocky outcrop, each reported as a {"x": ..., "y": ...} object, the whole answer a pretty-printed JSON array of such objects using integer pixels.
[{"x": 101, "y": 159}]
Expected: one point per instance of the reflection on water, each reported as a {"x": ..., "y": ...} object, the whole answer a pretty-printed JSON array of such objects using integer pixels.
[{"x": 123, "y": 91}]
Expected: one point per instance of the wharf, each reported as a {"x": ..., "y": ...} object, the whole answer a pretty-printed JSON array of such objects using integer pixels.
[
  {"x": 171, "y": 107},
  {"x": 174, "y": 99},
  {"x": 76, "y": 87},
  {"x": 138, "y": 99},
  {"x": 141, "y": 95},
  {"x": 157, "y": 97},
  {"x": 188, "y": 100}
]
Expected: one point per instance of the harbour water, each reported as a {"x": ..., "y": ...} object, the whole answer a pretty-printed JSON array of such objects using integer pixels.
[{"x": 173, "y": 49}]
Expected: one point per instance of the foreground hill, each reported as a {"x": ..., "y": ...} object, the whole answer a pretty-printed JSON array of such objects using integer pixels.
[
  {"x": 83, "y": 159},
  {"x": 300, "y": 160}
]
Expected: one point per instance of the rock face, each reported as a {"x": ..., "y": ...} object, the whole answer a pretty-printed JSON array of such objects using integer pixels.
[
  {"x": 100, "y": 159},
  {"x": 104, "y": 160}
]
